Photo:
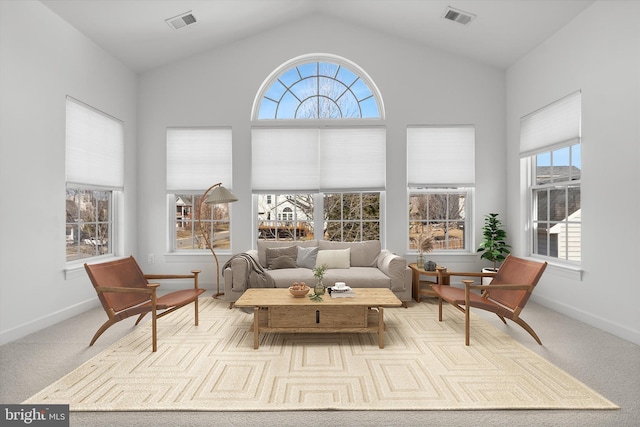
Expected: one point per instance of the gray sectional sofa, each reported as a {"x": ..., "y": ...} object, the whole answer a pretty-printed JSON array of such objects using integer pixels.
[{"x": 359, "y": 264}]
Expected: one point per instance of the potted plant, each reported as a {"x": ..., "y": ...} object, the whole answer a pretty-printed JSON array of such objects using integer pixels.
[
  {"x": 494, "y": 246},
  {"x": 318, "y": 273},
  {"x": 424, "y": 244}
]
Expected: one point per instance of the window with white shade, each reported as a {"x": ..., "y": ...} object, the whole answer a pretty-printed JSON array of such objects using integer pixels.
[
  {"x": 550, "y": 149},
  {"x": 319, "y": 183},
  {"x": 440, "y": 182},
  {"x": 94, "y": 175},
  {"x": 198, "y": 158}
]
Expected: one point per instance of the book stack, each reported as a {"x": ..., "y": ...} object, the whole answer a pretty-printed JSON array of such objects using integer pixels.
[{"x": 342, "y": 292}]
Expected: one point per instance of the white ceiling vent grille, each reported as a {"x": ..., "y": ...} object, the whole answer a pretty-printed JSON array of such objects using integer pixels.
[
  {"x": 458, "y": 16},
  {"x": 181, "y": 20}
]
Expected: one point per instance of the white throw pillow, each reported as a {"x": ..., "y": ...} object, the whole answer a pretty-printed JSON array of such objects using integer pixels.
[{"x": 339, "y": 258}]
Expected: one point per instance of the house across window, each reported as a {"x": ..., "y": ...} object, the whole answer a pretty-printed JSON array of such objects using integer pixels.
[
  {"x": 346, "y": 217},
  {"x": 557, "y": 212}
]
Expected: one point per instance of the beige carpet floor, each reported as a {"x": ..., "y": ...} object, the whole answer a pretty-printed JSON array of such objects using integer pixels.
[{"x": 424, "y": 366}]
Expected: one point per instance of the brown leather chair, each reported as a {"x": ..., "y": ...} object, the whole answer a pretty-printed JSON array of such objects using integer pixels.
[
  {"x": 125, "y": 291},
  {"x": 506, "y": 295}
]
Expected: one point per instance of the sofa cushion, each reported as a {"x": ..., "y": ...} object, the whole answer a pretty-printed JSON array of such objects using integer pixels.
[
  {"x": 264, "y": 244},
  {"x": 283, "y": 261},
  {"x": 272, "y": 254},
  {"x": 285, "y": 277},
  {"x": 363, "y": 254},
  {"x": 307, "y": 257},
  {"x": 337, "y": 258}
]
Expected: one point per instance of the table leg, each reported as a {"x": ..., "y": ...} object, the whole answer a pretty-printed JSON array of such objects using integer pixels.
[
  {"x": 380, "y": 327},
  {"x": 256, "y": 327}
]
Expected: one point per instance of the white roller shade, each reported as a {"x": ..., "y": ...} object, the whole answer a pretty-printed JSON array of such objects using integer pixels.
[
  {"x": 353, "y": 159},
  {"x": 197, "y": 158},
  {"x": 551, "y": 127},
  {"x": 94, "y": 147},
  {"x": 284, "y": 159},
  {"x": 441, "y": 156},
  {"x": 309, "y": 159}
]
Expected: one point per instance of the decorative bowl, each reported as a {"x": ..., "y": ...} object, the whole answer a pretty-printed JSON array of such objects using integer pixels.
[{"x": 299, "y": 292}]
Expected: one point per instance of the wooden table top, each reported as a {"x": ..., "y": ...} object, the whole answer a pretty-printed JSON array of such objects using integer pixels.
[{"x": 270, "y": 297}]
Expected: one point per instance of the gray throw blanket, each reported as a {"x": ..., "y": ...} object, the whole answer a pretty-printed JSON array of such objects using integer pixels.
[{"x": 255, "y": 274}]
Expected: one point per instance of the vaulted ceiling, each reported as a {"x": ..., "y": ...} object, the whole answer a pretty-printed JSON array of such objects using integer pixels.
[{"x": 135, "y": 31}]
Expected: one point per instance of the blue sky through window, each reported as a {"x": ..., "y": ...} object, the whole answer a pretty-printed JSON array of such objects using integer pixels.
[{"x": 318, "y": 90}]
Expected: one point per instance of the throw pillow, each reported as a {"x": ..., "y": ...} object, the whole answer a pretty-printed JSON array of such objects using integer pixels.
[
  {"x": 283, "y": 261},
  {"x": 307, "y": 257},
  {"x": 273, "y": 253},
  {"x": 340, "y": 258}
]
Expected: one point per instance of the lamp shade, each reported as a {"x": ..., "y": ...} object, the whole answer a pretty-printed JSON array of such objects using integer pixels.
[{"x": 220, "y": 195}]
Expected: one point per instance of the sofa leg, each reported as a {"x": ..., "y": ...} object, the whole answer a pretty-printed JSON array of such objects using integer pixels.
[{"x": 230, "y": 305}]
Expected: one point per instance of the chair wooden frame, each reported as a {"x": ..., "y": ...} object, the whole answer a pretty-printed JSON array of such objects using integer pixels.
[
  {"x": 124, "y": 291},
  {"x": 506, "y": 296}
]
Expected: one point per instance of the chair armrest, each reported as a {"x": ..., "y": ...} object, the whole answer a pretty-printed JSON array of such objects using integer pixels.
[
  {"x": 151, "y": 288},
  {"x": 472, "y": 274},
  {"x": 505, "y": 286},
  {"x": 393, "y": 266},
  {"x": 173, "y": 276},
  {"x": 193, "y": 275}
]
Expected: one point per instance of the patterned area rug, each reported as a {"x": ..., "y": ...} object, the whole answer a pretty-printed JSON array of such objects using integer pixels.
[{"x": 213, "y": 367}]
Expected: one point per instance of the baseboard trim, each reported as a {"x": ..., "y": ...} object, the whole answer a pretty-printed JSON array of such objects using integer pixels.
[
  {"x": 613, "y": 328},
  {"x": 43, "y": 322}
]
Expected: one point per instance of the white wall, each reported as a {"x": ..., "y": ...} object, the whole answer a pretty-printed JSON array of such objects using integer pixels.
[
  {"x": 599, "y": 53},
  {"x": 44, "y": 60},
  {"x": 419, "y": 85}
]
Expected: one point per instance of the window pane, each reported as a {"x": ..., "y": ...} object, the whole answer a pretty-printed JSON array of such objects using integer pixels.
[
  {"x": 352, "y": 216},
  {"x": 561, "y": 171},
  {"x": 351, "y": 206},
  {"x": 438, "y": 206},
  {"x": 439, "y": 215},
  {"x": 541, "y": 202},
  {"x": 576, "y": 162},
  {"x": 371, "y": 206},
  {"x": 558, "y": 211},
  {"x": 543, "y": 168},
  {"x": 574, "y": 199},
  {"x": 455, "y": 235},
  {"x": 214, "y": 221},
  {"x": 541, "y": 241},
  {"x": 285, "y": 216},
  {"x": 89, "y": 223}
]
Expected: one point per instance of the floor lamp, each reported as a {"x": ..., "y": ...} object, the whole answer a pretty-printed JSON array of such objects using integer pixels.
[{"x": 218, "y": 195}]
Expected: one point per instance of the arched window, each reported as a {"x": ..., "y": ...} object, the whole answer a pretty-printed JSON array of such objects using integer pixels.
[
  {"x": 318, "y": 87},
  {"x": 330, "y": 177}
]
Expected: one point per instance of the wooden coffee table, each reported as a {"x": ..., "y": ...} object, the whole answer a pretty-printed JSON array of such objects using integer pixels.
[{"x": 276, "y": 310}]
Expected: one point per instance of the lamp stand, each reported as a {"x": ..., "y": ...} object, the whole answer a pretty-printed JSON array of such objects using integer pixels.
[{"x": 208, "y": 242}]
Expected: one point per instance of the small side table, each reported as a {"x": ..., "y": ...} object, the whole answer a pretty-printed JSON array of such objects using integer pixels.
[{"x": 422, "y": 288}]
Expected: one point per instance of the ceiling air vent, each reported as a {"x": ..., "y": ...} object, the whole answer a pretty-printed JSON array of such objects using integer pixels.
[
  {"x": 181, "y": 20},
  {"x": 458, "y": 16}
]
